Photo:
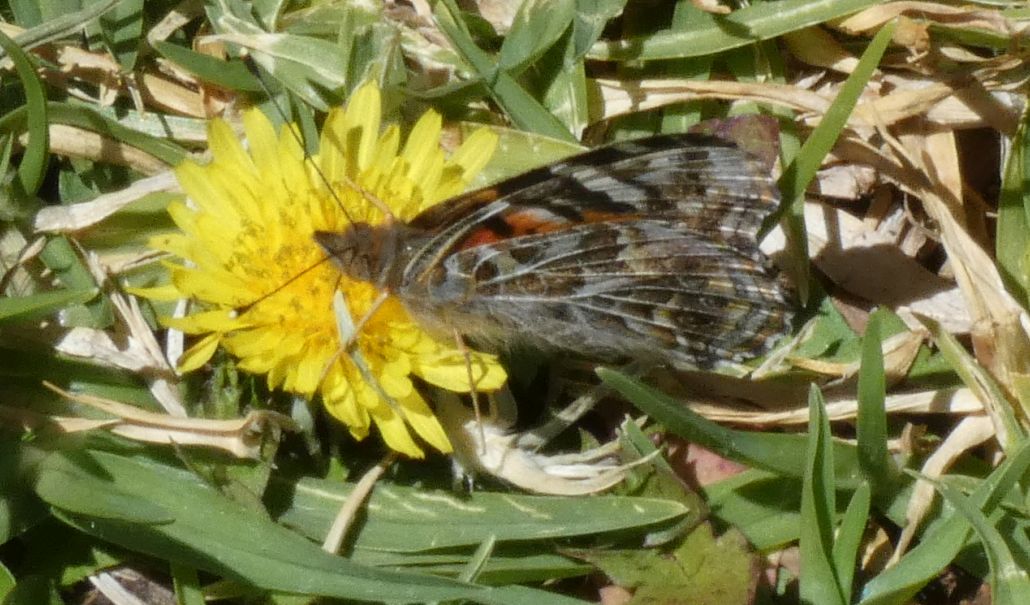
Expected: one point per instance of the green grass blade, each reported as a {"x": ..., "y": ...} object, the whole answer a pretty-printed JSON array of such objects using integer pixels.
[
  {"x": 799, "y": 173},
  {"x": 86, "y": 118},
  {"x": 716, "y": 33},
  {"x": 849, "y": 537},
  {"x": 873, "y": 456},
  {"x": 1013, "y": 236},
  {"x": 777, "y": 452},
  {"x": 941, "y": 543},
  {"x": 980, "y": 381},
  {"x": 34, "y": 306},
  {"x": 37, "y": 151},
  {"x": 1010, "y": 583},
  {"x": 819, "y": 582},
  {"x": 525, "y": 111},
  {"x": 188, "y": 590},
  {"x": 478, "y": 560},
  {"x": 58, "y": 27}
]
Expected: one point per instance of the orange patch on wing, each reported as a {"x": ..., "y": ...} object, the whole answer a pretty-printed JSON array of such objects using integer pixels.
[
  {"x": 528, "y": 222},
  {"x": 480, "y": 237},
  {"x": 516, "y": 224}
]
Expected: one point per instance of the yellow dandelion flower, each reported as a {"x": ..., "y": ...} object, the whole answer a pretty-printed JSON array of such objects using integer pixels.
[{"x": 247, "y": 231}]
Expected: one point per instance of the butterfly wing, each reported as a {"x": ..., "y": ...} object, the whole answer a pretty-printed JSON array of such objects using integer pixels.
[
  {"x": 641, "y": 249},
  {"x": 712, "y": 187},
  {"x": 643, "y": 289}
]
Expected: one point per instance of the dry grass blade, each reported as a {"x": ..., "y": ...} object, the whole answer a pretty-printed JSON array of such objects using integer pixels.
[{"x": 241, "y": 437}]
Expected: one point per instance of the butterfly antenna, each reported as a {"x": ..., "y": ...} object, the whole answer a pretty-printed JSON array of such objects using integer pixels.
[
  {"x": 368, "y": 195},
  {"x": 283, "y": 285}
]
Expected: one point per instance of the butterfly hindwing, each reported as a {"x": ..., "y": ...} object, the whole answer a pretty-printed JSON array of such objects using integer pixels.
[{"x": 636, "y": 289}]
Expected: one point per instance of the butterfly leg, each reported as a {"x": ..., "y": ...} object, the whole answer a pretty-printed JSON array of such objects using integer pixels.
[
  {"x": 348, "y": 331},
  {"x": 473, "y": 391}
]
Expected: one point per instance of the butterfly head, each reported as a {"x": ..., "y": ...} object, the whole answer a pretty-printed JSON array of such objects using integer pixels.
[{"x": 363, "y": 252}]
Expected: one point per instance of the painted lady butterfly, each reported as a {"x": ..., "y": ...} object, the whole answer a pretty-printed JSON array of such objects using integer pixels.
[{"x": 643, "y": 250}]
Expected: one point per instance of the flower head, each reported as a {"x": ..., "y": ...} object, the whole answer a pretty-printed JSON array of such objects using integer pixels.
[{"x": 265, "y": 290}]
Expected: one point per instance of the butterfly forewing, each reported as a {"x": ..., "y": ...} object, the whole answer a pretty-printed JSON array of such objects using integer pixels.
[{"x": 710, "y": 185}]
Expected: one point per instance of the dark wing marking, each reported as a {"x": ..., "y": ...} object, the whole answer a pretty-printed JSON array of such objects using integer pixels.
[
  {"x": 709, "y": 185},
  {"x": 638, "y": 289}
]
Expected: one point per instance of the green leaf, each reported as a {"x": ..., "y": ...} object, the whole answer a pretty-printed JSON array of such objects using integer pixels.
[
  {"x": 33, "y": 590},
  {"x": 215, "y": 534},
  {"x": 943, "y": 541},
  {"x": 79, "y": 557},
  {"x": 27, "y": 13},
  {"x": 311, "y": 68},
  {"x": 873, "y": 457},
  {"x": 232, "y": 74},
  {"x": 714, "y": 33},
  {"x": 538, "y": 24},
  {"x": 506, "y": 565},
  {"x": 412, "y": 519},
  {"x": 702, "y": 570},
  {"x": 761, "y": 504},
  {"x": 33, "y": 164},
  {"x": 121, "y": 29},
  {"x": 59, "y": 256},
  {"x": 74, "y": 492},
  {"x": 518, "y": 151},
  {"x": 777, "y": 452},
  {"x": 20, "y": 509},
  {"x": 590, "y": 19},
  {"x": 564, "y": 82},
  {"x": 6, "y": 581},
  {"x": 23, "y": 308},
  {"x": 819, "y": 582}
]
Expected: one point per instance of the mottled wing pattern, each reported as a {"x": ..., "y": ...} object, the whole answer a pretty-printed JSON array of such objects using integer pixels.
[
  {"x": 710, "y": 185},
  {"x": 645, "y": 249}
]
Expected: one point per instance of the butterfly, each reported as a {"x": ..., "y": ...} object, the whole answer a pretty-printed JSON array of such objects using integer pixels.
[{"x": 644, "y": 250}]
